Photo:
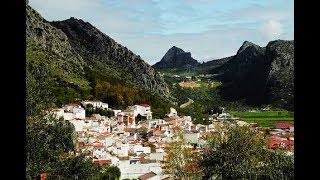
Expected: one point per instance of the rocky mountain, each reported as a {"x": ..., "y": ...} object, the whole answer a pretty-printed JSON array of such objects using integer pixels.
[
  {"x": 176, "y": 58},
  {"x": 260, "y": 75},
  {"x": 103, "y": 54},
  {"x": 206, "y": 67},
  {"x": 79, "y": 57}
]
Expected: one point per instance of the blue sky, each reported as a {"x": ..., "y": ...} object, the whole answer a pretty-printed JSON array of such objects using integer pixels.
[{"x": 209, "y": 29}]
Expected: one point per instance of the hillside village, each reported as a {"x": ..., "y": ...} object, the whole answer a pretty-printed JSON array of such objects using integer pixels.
[{"x": 136, "y": 143}]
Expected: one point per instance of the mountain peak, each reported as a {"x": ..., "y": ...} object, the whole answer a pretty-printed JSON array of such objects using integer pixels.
[
  {"x": 247, "y": 44},
  {"x": 176, "y": 58},
  {"x": 175, "y": 50}
]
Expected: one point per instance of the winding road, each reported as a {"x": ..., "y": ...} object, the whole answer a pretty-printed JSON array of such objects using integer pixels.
[{"x": 190, "y": 101}]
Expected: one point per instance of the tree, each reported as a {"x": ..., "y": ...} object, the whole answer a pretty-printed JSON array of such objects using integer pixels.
[
  {"x": 110, "y": 172},
  {"x": 237, "y": 153},
  {"x": 47, "y": 139},
  {"x": 75, "y": 167},
  {"x": 50, "y": 142},
  {"x": 181, "y": 160}
]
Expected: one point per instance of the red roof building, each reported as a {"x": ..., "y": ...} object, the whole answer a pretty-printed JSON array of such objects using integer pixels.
[
  {"x": 102, "y": 161},
  {"x": 73, "y": 104},
  {"x": 282, "y": 125},
  {"x": 145, "y": 105},
  {"x": 147, "y": 176}
]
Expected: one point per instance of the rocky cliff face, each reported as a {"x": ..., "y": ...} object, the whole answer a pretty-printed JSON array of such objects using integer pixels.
[
  {"x": 280, "y": 80},
  {"x": 99, "y": 51},
  {"x": 71, "y": 46},
  {"x": 41, "y": 35},
  {"x": 176, "y": 58},
  {"x": 260, "y": 74}
]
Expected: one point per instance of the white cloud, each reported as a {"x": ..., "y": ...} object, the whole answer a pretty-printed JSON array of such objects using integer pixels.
[{"x": 272, "y": 29}]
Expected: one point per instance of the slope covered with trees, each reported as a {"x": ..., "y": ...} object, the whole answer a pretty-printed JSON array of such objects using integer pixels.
[
  {"x": 57, "y": 74},
  {"x": 84, "y": 63}
]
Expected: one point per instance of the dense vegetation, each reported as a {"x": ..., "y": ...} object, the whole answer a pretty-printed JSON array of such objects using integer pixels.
[
  {"x": 255, "y": 76},
  {"x": 207, "y": 99},
  {"x": 181, "y": 161},
  {"x": 50, "y": 141},
  {"x": 119, "y": 95},
  {"x": 233, "y": 152},
  {"x": 239, "y": 153},
  {"x": 91, "y": 85}
]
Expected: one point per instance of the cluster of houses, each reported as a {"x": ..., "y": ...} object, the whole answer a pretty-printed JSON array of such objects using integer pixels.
[
  {"x": 281, "y": 137},
  {"x": 138, "y": 146}
]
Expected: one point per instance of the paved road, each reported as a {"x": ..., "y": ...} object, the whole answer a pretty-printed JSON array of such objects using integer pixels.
[{"x": 190, "y": 101}]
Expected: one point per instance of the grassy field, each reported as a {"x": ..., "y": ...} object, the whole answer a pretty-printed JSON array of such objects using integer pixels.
[
  {"x": 265, "y": 118},
  {"x": 215, "y": 84}
]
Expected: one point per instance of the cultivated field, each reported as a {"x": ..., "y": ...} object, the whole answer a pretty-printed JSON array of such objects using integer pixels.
[
  {"x": 265, "y": 118},
  {"x": 190, "y": 84}
]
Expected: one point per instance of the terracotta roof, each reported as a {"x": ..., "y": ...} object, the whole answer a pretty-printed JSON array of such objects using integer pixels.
[
  {"x": 54, "y": 109},
  {"x": 282, "y": 125},
  {"x": 73, "y": 104},
  {"x": 143, "y": 128},
  {"x": 102, "y": 161},
  {"x": 158, "y": 132},
  {"x": 172, "y": 122},
  {"x": 143, "y": 155},
  {"x": 273, "y": 142},
  {"x": 144, "y": 105},
  {"x": 147, "y": 176},
  {"x": 133, "y": 142},
  {"x": 130, "y": 129}
]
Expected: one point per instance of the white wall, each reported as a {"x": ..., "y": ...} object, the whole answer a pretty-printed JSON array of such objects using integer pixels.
[
  {"x": 79, "y": 113},
  {"x": 96, "y": 104},
  {"x": 140, "y": 148},
  {"x": 157, "y": 156},
  {"x": 78, "y": 124},
  {"x": 68, "y": 116},
  {"x": 133, "y": 171},
  {"x": 58, "y": 113},
  {"x": 109, "y": 141},
  {"x": 144, "y": 111},
  {"x": 123, "y": 150}
]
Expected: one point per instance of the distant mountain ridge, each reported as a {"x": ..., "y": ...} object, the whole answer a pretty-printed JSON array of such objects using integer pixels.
[
  {"x": 176, "y": 58},
  {"x": 258, "y": 75}
]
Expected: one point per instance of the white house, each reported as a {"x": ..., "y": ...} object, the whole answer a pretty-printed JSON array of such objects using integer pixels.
[
  {"x": 138, "y": 149},
  {"x": 78, "y": 125},
  {"x": 122, "y": 150},
  {"x": 143, "y": 110},
  {"x": 70, "y": 106},
  {"x": 79, "y": 112},
  {"x": 68, "y": 116},
  {"x": 157, "y": 156},
  {"x": 69, "y": 112},
  {"x": 109, "y": 141},
  {"x": 116, "y": 112},
  {"x": 95, "y": 104}
]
